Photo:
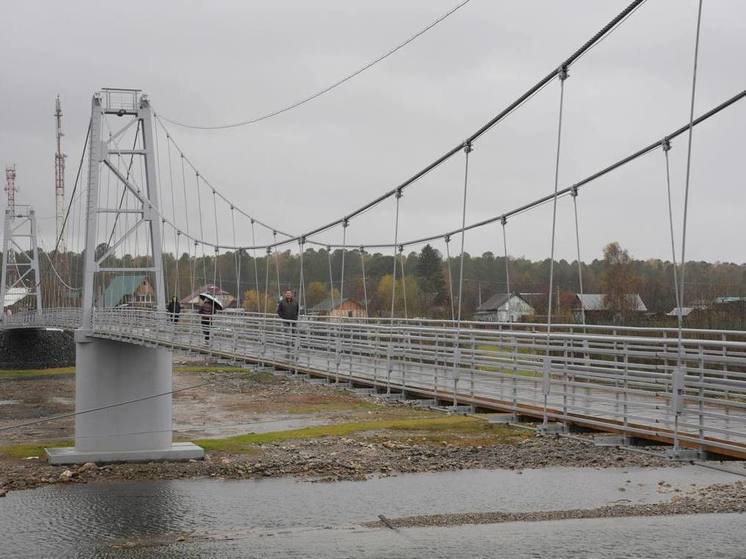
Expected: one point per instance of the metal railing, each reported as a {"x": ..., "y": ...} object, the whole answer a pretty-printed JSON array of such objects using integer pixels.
[{"x": 623, "y": 379}]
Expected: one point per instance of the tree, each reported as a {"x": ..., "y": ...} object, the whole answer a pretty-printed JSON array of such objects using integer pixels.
[
  {"x": 254, "y": 301},
  {"x": 619, "y": 281},
  {"x": 429, "y": 274}
]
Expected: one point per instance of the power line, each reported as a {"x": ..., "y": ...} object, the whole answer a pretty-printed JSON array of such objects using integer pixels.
[{"x": 326, "y": 89}]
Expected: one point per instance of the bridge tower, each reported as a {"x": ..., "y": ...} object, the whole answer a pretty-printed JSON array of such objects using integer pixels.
[
  {"x": 20, "y": 262},
  {"x": 129, "y": 386}
]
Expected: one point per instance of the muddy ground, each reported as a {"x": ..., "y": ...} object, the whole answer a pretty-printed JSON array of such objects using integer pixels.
[{"x": 257, "y": 424}]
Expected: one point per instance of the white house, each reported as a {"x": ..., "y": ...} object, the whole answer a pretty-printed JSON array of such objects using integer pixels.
[{"x": 503, "y": 307}]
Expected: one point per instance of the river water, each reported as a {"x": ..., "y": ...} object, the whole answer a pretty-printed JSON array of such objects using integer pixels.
[{"x": 288, "y": 518}]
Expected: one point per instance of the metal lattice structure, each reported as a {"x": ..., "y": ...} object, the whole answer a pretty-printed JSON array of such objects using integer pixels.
[
  {"x": 20, "y": 284},
  {"x": 134, "y": 106}
]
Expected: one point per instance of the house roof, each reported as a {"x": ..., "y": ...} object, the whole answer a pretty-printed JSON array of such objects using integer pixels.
[
  {"x": 121, "y": 286},
  {"x": 326, "y": 305},
  {"x": 494, "y": 302},
  {"x": 497, "y": 301},
  {"x": 728, "y": 299},
  {"x": 684, "y": 311},
  {"x": 226, "y": 299},
  {"x": 597, "y": 301},
  {"x": 13, "y": 295}
]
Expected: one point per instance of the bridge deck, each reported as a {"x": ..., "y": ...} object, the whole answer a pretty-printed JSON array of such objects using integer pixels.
[{"x": 621, "y": 381}]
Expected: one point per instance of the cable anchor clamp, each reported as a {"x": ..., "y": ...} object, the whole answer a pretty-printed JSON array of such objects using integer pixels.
[
  {"x": 666, "y": 144},
  {"x": 574, "y": 191},
  {"x": 563, "y": 72},
  {"x": 447, "y": 239},
  {"x": 467, "y": 146},
  {"x": 504, "y": 221},
  {"x": 345, "y": 222},
  {"x": 401, "y": 249},
  {"x": 399, "y": 193}
]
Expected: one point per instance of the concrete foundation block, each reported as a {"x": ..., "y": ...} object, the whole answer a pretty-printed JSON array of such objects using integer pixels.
[{"x": 177, "y": 451}]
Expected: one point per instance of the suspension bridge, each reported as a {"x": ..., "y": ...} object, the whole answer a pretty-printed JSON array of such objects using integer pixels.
[{"x": 139, "y": 198}]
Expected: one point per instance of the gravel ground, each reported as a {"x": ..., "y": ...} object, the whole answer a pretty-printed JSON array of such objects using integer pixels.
[
  {"x": 336, "y": 459},
  {"x": 719, "y": 498}
]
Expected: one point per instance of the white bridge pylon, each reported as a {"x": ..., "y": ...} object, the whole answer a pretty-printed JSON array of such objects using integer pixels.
[
  {"x": 21, "y": 278},
  {"x": 110, "y": 372}
]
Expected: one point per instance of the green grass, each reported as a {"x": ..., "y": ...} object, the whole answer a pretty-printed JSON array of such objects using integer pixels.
[
  {"x": 21, "y": 451},
  {"x": 506, "y": 369},
  {"x": 333, "y": 406},
  {"x": 22, "y": 373},
  {"x": 438, "y": 427}
]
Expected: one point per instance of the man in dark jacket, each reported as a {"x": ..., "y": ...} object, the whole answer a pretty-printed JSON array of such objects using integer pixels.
[
  {"x": 288, "y": 307},
  {"x": 287, "y": 310},
  {"x": 174, "y": 309}
]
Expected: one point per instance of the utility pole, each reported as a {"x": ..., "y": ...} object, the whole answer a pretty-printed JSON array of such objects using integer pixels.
[{"x": 59, "y": 176}]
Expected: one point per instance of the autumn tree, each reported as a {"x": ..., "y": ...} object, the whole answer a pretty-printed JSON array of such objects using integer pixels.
[{"x": 619, "y": 281}]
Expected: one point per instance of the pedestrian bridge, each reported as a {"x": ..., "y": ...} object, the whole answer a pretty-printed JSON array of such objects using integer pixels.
[{"x": 617, "y": 379}]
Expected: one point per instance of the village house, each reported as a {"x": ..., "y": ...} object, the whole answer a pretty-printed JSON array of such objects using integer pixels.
[
  {"x": 597, "y": 311},
  {"x": 503, "y": 307},
  {"x": 348, "y": 308},
  {"x": 227, "y": 300},
  {"x": 130, "y": 290}
]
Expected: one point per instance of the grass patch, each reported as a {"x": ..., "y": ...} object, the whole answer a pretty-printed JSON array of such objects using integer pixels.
[
  {"x": 21, "y": 451},
  {"x": 333, "y": 406},
  {"x": 436, "y": 426},
  {"x": 506, "y": 368},
  {"x": 23, "y": 373}
]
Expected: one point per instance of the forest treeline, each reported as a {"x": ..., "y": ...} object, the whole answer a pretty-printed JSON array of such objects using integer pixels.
[{"x": 427, "y": 288}]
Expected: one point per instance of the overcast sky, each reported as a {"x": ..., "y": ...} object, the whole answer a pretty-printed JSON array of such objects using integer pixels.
[{"x": 223, "y": 61}]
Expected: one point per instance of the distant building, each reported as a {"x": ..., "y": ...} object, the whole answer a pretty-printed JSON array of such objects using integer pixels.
[
  {"x": 348, "y": 308},
  {"x": 596, "y": 309},
  {"x": 503, "y": 307},
  {"x": 193, "y": 300},
  {"x": 130, "y": 290}
]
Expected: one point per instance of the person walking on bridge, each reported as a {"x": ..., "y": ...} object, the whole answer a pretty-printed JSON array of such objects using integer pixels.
[
  {"x": 287, "y": 310},
  {"x": 206, "y": 310}
]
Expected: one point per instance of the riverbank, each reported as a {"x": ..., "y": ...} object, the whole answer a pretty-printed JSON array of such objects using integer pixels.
[{"x": 256, "y": 424}]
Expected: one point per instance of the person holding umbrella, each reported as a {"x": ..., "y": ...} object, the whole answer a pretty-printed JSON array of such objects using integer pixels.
[{"x": 207, "y": 309}]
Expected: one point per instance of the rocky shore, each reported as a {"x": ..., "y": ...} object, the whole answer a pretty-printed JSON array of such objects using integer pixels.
[{"x": 336, "y": 459}]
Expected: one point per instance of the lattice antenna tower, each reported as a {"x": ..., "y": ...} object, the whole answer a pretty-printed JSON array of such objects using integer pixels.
[
  {"x": 10, "y": 187},
  {"x": 59, "y": 176}
]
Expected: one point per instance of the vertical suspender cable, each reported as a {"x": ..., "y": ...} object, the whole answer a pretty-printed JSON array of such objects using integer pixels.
[
  {"x": 236, "y": 258},
  {"x": 666, "y": 145},
  {"x": 450, "y": 277},
  {"x": 547, "y": 359},
  {"x": 365, "y": 287},
  {"x": 186, "y": 216},
  {"x": 396, "y": 242},
  {"x": 680, "y": 374},
  {"x": 562, "y": 77},
  {"x": 504, "y": 222},
  {"x": 577, "y": 246},
  {"x": 688, "y": 171},
  {"x": 467, "y": 151},
  {"x": 256, "y": 267},
  {"x": 266, "y": 280},
  {"x": 201, "y": 229},
  {"x": 217, "y": 240},
  {"x": 403, "y": 280},
  {"x": 331, "y": 278},
  {"x": 277, "y": 267},
  {"x": 173, "y": 215},
  {"x": 345, "y": 223},
  {"x": 302, "y": 282}
]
